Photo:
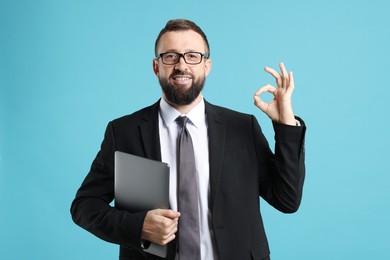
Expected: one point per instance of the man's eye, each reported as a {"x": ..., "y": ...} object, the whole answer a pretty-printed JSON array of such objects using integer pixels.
[
  {"x": 192, "y": 55},
  {"x": 170, "y": 56}
]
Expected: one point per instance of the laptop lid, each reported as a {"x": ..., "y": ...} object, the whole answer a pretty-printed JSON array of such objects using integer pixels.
[{"x": 140, "y": 185}]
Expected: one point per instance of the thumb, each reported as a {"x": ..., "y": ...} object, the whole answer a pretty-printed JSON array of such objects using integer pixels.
[
  {"x": 260, "y": 103},
  {"x": 168, "y": 213}
]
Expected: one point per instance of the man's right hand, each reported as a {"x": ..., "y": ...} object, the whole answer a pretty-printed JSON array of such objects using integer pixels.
[{"x": 160, "y": 226}]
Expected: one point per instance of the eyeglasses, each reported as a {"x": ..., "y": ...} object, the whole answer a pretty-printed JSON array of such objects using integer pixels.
[{"x": 172, "y": 58}]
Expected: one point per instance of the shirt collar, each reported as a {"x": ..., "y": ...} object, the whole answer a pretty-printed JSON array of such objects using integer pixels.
[{"x": 196, "y": 114}]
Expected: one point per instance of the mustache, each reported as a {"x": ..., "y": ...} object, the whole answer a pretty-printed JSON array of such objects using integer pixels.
[{"x": 181, "y": 73}]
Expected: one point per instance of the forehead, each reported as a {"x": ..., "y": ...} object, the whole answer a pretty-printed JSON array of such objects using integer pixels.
[{"x": 181, "y": 41}]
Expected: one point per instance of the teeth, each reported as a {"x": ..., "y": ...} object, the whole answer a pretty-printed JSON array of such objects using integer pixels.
[{"x": 182, "y": 79}]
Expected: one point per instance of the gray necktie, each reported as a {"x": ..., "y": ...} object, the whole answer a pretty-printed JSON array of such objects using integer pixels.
[{"x": 187, "y": 196}]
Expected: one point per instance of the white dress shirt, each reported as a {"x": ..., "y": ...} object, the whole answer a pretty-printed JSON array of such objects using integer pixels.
[{"x": 197, "y": 127}]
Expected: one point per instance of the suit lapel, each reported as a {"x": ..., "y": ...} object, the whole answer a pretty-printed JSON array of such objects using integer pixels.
[
  {"x": 149, "y": 131},
  {"x": 216, "y": 131}
]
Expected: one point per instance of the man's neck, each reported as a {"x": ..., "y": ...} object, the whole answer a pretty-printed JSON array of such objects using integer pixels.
[{"x": 184, "y": 109}]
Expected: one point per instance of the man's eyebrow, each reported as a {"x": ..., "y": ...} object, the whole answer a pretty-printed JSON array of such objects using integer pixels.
[
  {"x": 171, "y": 50},
  {"x": 175, "y": 50}
]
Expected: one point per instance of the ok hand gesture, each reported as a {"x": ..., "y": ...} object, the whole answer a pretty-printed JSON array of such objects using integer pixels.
[{"x": 280, "y": 108}]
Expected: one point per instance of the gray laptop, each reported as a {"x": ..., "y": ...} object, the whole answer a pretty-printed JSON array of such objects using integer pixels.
[{"x": 141, "y": 184}]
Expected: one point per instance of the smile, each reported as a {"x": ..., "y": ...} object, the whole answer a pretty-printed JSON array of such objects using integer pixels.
[{"x": 181, "y": 79}]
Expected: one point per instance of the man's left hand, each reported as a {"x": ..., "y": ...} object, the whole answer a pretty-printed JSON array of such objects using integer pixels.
[{"x": 280, "y": 108}]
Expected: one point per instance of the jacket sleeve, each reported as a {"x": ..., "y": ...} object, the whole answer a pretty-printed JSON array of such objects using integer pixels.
[
  {"x": 91, "y": 207},
  {"x": 282, "y": 174}
]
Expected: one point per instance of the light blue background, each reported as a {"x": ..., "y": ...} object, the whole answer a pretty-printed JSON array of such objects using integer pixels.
[{"x": 68, "y": 67}]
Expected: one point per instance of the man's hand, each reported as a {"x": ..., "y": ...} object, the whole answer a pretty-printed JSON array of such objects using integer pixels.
[
  {"x": 160, "y": 226},
  {"x": 280, "y": 108}
]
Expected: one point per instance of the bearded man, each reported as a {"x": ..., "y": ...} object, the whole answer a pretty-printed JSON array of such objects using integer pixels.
[{"x": 214, "y": 199}]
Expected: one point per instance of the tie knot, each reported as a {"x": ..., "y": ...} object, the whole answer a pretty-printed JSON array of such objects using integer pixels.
[{"x": 182, "y": 121}]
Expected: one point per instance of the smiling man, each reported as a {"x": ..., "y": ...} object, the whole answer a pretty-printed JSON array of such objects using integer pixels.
[
  {"x": 220, "y": 162},
  {"x": 179, "y": 69}
]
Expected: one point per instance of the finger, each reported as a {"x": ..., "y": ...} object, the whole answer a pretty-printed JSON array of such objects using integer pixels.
[
  {"x": 167, "y": 223},
  {"x": 265, "y": 88},
  {"x": 168, "y": 234},
  {"x": 275, "y": 74},
  {"x": 292, "y": 85},
  {"x": 172, "y": 224},
  {"x": 285, "y": 77},
  {"x": 166, "y": 240},
  {"x": 258, "y": 101},
  {"x": 172, "y": 230},
  {"x": 168, "y": 213},
  {"x": 168, "y": 230},
  {"x": 261, "y": 104},
  {"x": 162, "y": 218}
]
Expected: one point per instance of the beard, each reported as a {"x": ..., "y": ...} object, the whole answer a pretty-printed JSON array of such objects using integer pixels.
[{"x": 179, "y": 95}]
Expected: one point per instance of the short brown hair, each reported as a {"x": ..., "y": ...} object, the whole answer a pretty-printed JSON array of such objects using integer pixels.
[{"x": 181, "y": 25}]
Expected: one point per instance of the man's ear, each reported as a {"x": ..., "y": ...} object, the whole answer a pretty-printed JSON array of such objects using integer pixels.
[
  {"x": 207, "y": 66},
  {"x": 155, "y": 67}
]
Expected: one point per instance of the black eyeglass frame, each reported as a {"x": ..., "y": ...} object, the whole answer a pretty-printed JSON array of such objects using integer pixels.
[{"x": 182, "y": 55}]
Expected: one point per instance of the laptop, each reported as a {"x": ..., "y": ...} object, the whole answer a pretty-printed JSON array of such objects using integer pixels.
[{"x": 140, "y": 185}]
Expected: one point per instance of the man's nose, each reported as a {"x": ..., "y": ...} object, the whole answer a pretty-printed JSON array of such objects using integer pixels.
[{"x": 181, "y": 64}]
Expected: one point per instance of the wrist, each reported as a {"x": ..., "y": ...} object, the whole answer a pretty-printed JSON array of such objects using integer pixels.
[{"x": 288, "y": 120}]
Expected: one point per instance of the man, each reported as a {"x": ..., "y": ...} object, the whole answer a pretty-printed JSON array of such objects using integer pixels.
[{"x": 232, "y": 160}]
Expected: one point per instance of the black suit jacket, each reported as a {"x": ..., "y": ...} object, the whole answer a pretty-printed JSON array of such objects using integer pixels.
[{"x": 242, "y": 167}]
